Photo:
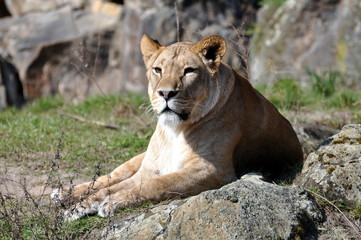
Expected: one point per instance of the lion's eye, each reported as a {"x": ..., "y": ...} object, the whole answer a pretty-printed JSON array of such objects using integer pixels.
[
  {"x": 189, "y": 70},
  {"x": 157, "y": 70}
]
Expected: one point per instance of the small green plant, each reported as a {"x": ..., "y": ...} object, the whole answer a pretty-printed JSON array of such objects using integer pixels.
[
  {"x": 314, "y": 189},
  {"x": 346, "y": 98},
  {"x": 273, "y": 3},
  {"x": 356, "y": 211},
  {"x": 286, "y": 94},
  {"x": 324, "y": 84}
]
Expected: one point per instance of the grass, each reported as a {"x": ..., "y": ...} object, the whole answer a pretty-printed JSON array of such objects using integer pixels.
[
  {"x": 84, "y": 151},
  {"x": 325, "y": 94},
  {"x": 38, "y": 126},
  {"x": 273, "y": 3}
]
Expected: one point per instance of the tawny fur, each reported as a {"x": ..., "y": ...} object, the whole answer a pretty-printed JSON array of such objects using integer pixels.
[{"x": 216, "y": 127}]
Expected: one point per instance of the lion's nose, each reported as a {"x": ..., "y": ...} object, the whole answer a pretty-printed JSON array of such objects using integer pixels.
[{"x": 167, "y": 94}]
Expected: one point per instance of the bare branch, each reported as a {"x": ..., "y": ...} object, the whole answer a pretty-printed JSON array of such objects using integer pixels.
[
  {"x": 99, "y": 123},
  {"x": 352, "y": 224},
  {"x": 177, "y": 19}
]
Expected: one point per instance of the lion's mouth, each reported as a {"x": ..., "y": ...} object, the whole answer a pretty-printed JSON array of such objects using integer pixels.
[{"x": 183, "y": 115}]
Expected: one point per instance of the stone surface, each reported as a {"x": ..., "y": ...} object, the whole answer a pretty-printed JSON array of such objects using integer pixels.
[
  {"x": 59, "y": 46},
  {"x": 246, "y": 209},
  {"x": 335, "y": 167},
  {"x": 23, "y": 7},
  {"x": 311, "y": 136},
  {"x": 319, "y": 35},
  {"x": 3, "y": 103}
]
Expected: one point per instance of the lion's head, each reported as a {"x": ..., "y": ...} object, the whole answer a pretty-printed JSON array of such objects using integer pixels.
[{"x": 184, "y": 82}]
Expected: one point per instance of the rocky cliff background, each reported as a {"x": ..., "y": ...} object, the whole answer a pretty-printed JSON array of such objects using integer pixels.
[{"x": 81, "y": 48}]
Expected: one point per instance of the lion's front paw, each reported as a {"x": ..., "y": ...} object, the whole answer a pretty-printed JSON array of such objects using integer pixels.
[
  {"x": 79, "y": 210},
  {"x": 57, "y": 195},
  {"x": 107, "y": 207}
]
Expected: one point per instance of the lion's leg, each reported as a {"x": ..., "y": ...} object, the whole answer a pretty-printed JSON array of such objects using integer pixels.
[
  {"x": 133, "y": 191},
  {"x": 91, "y": 203},
  {"x": 170, "y": 186},
  {"x": 121, "y": 173}
]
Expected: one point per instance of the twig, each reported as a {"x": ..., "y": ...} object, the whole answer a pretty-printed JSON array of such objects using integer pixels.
[
  {"x": 177, "y": 20},
  {"x": 352, "y": 224},
  {"x": 103, "y": 124},
  {"x": 243, "y": 53}
]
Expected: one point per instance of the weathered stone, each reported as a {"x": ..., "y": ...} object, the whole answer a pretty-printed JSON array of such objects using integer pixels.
[
  {"x": 318, "y": 35},
  {"x": 335, "y": 167},
  {"x": 246, "y": 209},
  {"x": 22, "y": 7},
  {"x": 45, "y": 51},
  {"x": 3, "y": 103},
  {"x": 311, "y": 136}
]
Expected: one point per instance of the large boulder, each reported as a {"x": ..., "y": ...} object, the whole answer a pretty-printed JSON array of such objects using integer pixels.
[
  {"x": 246, "y": 209},
  {"x": 58, "y": 48},
  {"x": 321, "y": 35},
  {"x": 334, "y": 169}
]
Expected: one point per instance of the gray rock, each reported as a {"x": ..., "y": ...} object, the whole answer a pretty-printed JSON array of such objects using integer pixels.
[
  {"x": 319, "y": 35},
  {"x": 246, "y": 209},
  {"x": 335, "y": 167},
  {"x": 23, "y": 7},
  {"x": 3, "y": 103},
  {"x": 311, "y": 136},
  {"x": 56, "y": 47}
]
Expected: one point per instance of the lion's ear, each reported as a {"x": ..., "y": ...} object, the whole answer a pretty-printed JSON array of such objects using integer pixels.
[
  {"x": 212, "y": 49},
  {"x": 148, "y": 46}
]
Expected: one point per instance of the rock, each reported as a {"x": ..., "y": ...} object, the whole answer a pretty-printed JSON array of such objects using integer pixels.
[
  {"x": 3, "y": 103},
  {"x": 59, "y": 46},
  {"x": 311, "y": 136},
  {"x": 246, "y": 209},
  {"x": 335, "y": 167},
  {"x": 318, "y": 35},
  {"x": 23, "y": 7}
]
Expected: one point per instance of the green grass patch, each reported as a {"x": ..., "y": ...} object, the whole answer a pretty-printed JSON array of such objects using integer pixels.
[
  {"x": 325, "y": 93},
  {"x": 272, "y": 3},
  {"x": 324, "y": 84},
  {"x": 85, "y": 150},
  {"x": 39, "y": 125}
]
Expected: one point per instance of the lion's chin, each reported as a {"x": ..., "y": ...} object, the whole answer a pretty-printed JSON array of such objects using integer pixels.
[{"x": 170, "y": 119}]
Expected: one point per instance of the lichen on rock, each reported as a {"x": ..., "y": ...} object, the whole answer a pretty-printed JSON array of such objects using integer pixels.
[
  {"x": 335, "y": 167},
  {"x": 245, "y": 209}
]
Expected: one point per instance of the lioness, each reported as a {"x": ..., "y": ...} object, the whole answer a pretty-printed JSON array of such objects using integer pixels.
[{"x": 213, "y": 126}]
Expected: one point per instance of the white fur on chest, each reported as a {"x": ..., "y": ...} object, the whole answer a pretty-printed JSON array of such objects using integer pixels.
[{"x": 172, "y": 154}]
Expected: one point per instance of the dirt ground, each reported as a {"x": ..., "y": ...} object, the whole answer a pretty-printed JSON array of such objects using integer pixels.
[{"x": 32, "y": 174}]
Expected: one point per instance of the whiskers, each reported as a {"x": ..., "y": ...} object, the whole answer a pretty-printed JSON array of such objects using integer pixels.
[{"x": 148, "y": 110}]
